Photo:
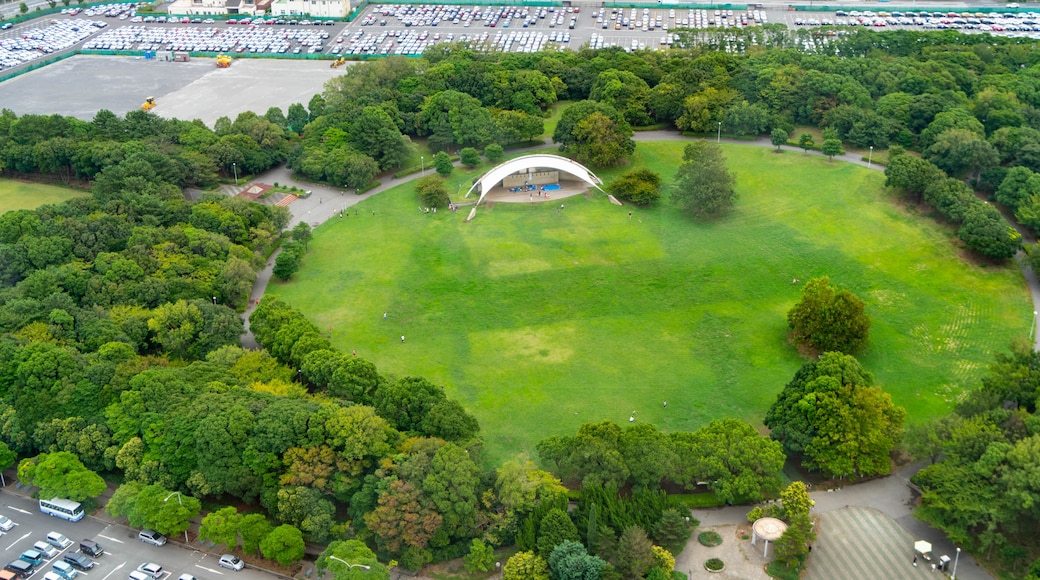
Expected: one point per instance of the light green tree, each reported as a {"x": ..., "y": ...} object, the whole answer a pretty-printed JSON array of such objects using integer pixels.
[
  {"x": 61, "y": 475},
  {"x": 283, "y": 544}
]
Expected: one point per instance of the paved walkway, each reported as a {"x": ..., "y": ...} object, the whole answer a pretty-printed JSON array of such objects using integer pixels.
[
  {"x": 858, "y": 543},
  {"x": 889, "y": 495}
]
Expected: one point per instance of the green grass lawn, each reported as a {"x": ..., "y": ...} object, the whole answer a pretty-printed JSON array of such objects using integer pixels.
[
  {"x": 540, "y": 322},
  {"x": 15, "y": 194}
]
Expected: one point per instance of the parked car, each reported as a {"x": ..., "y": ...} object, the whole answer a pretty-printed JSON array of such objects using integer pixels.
[
  {"x": 6, "y": 524},
  {"x": 135, "y": 575},
  {"x": 34, "y": 557},
  {"x": 64, "y": 569},
  {"x": 91, "y": 548},
  {"x": 152, "y": 537},
  {"x": 78, "y": 561},
  {"x": 57, "y": 540},
  {"x": 152, "y": 569},
  {"x": 46, "y": 549},
  {"x": 229, "y": 561},
  {"x": 21, "y": 568}
]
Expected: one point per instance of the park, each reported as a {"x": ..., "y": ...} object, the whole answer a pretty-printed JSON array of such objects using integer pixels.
[{"x": 539, "y": 321}]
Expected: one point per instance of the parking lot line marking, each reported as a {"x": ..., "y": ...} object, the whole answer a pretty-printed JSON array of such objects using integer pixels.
[
  {"x": 19, "y": 509},
  {"x": 109, "y": 538},
  {"x": 27, "y": 534},
  {"x": 209, "y": 569},
  {"x": 114, "y": 571}
]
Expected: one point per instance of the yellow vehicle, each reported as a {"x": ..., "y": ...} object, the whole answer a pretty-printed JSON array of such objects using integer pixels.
[
  {"x": 149, "y": 104},
  {"x": 223, "y": 61},
  {"x": 338, "y": 62}
]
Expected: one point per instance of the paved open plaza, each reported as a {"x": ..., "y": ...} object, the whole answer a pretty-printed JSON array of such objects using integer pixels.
[{"x": 82, "y": 85}]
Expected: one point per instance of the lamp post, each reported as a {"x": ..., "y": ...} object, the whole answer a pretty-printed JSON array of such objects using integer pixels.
[
  {"x": 349, "y": 565},
  {"x": 719, "y": 138},
  {"x": 214, "y": 301},
  {"x": 422, "y": 165},
  {"x": 957, "y": 559},
  {"x": 870, "y": 157},
  {"x": 235, "y": 167},
  {"x": 1032, "y": 327},
  {"x": 179, "y": 502}
]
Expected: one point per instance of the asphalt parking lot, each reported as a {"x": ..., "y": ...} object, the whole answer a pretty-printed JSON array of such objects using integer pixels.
[
  {"x": 123, "y": 551},
  {"x": 82, "y": 85},
  {"x": 85, "y": 84}
]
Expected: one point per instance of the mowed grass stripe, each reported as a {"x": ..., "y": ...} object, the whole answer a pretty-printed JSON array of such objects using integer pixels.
[
  {"x": 539, "y": 322},
  {"x": 15, "y": 194}
]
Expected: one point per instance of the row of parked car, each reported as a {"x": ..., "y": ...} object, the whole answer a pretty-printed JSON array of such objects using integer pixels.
[
  {"x": 44, "y": 551},
  {"x": 33, "y": 43},
  {"x": 210, "y": 39}
]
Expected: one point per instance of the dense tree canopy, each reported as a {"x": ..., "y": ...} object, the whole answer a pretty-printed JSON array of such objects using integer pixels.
[{"x": 836, "y": 418}]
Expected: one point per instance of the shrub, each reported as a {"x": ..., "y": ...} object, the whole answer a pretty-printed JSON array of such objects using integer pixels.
[
  {"x": 442, "y": 162},
  {"x": 494, "y": 153},
  {"x": 469, "y": 157},
  {"x": 432, "y": 192},
  {"x": 709, "y": 538},
  {"x": 714, "y": 564},
  {"x": 639, "y": 186}
]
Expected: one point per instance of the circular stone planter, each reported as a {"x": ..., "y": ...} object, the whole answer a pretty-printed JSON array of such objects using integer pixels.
[
  {"x": 714, "y": 565},
  {"x": 709, "y": 539}
]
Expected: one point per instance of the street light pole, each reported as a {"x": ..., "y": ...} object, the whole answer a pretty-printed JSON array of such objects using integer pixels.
[
  {"x": 422, "y": 161},
  {"x": 870, "y": 157},
  {"x": 235, "y": 167},
  {"x": 349, "y": 565},
  {"x": 719, "y": 138},
  {"x": 1032, "y": 327},
  {"x": 957, "y": 559},
  {"x": 180, "y": 503}
]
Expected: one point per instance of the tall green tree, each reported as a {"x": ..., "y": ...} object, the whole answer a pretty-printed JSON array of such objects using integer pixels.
[
  {"x": 554, "y": 529},
  {"x": 832, "y": 413},
  {"x": 703, "y": 184},
  {"x": 828, "y": 318},
  {"x": 283, "y": 544},
  {"x": 635, "y": 553},
  {"x": 61, "y": 475}
]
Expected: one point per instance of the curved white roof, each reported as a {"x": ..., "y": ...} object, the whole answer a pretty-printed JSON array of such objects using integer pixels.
[{"x": 541, "y": 160}]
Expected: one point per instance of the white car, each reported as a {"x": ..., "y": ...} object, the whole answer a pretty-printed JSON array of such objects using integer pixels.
[
  {"x": 57, "y": 540},
  {"x": 151, "y": 569},
  {"x": 6, "y": 524},
  {"x": 229, "y": 561}
]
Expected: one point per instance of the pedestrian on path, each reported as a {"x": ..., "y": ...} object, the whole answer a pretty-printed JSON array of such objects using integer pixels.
[{"x": 915, "y": 557}]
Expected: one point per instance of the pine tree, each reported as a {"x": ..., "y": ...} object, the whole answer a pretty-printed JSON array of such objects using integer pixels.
[
  {"x": 592, "y": 530},
  {"x": 672, "y": 531}
]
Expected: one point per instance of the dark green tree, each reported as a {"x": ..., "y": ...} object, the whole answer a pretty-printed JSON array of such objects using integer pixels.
[
  {"x": 635, "y": 553},
  {"x": 442, "y": 162},
  {"x": 778, "y": 137},
  {"x": 832, "y": 413},
  {"x": 672, "y": 530},
  {"x": 469, "y": 156},
  {"x": 703, "y": 184},
  {"x": 806, "y": 142},
  {"x": 554, "y": 529},
  {"x": 828, "y": 318},
  {"x": 493, "y": 152},
  {"x": 832, "y": 147},
  {"x": 639, "y": 186}
]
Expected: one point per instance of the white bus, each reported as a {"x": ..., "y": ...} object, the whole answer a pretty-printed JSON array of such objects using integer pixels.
[{"x": 62, "y": 508}]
